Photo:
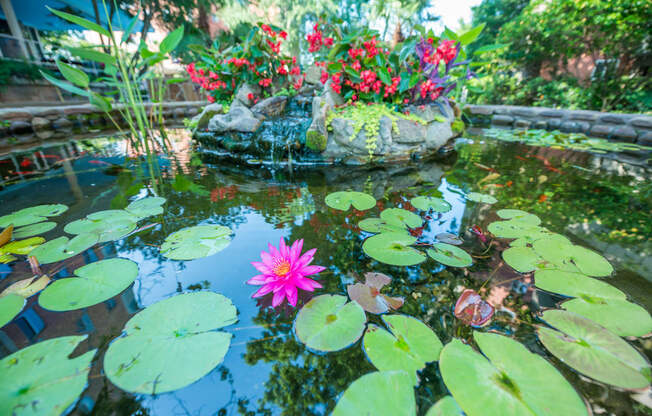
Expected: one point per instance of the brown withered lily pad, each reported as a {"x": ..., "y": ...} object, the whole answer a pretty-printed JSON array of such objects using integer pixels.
[
  {"x": 368, "y": 294},
  {"x": 472, "y": 309}
]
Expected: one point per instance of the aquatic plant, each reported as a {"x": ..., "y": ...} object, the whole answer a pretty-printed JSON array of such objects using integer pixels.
[
  {"x": 381, "y": 393},
  {"x": 343, "y": 200},
  {"x": 196, "y": 242},
  {"x": 471, "y": 309},
  {"x": 368, "y": 294},
  {"x": 284, "y": 271}
]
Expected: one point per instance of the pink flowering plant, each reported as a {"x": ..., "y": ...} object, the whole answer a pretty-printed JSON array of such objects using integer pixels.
[
  {"x": 257, "y": 60},
  {"x": 284, "y": 271},
  {"x": 360, "y": 67}
]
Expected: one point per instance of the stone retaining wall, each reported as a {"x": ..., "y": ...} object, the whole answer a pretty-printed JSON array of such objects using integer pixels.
[
  {"x": 34, "y": 124},
  {"x": 633, "y": 128}
]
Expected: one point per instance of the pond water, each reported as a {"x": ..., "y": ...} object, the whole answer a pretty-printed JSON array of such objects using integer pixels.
[{"x": 595, "y": 200}]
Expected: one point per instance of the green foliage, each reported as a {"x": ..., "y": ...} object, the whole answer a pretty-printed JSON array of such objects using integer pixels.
[
  {"x": 369, "y": 116},
  {"x": 24, "y": 70}
]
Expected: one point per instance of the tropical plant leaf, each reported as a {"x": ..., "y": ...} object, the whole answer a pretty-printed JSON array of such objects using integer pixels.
[
  {"x": 171, "y": 41},
  {"x": 171, "y": 343},
  {"x": 87, "y": 24},
  {"x": 329, "y": 323}
]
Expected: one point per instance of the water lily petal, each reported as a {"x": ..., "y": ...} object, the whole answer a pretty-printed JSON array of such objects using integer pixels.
[
  {"x": 262, "y": 291},
  {"x": 259, "y": 279},
  {"x": 264, "y": 269},
  {"x": 278, "y": 298},
  {"x": 292, "y": 294},
  {"x": 306, "y": 258},
  {"x": 308, "y": 270},
  {"x": 295, "y": 251}
]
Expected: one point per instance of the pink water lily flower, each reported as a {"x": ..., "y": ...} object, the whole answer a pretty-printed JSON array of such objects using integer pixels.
[{"x": 284, "y": 271}]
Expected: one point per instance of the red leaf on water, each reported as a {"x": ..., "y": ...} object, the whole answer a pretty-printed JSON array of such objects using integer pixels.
[
  {"x": 472, "y": 309},
  {"x": 368, "y": 294}
]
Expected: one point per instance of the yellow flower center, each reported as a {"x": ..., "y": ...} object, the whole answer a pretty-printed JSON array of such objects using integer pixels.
[{"x": 281, "y": 268}]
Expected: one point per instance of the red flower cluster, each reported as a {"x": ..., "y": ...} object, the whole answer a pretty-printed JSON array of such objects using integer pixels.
[
  {"x": 316, "y": 39},
  {"x": 430, "y": 88},
  {"x": 446, "y": 51},
  {"x": 209, "y": 83}
]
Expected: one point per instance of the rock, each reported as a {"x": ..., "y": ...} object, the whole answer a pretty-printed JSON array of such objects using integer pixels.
[
  {"x": 552, "y": 113},
  {"x": 483, "y": 110},
  {"x": 554, "y": 124},
  {"x": 40, "y": 123},
  {"x": 243, "y": 92},
  {"x": 316, "y": 141},
  {"x": 313, "y": 75},
  {"x": 643, "y": 121},
  {"x": 49, "y": 112},
  {"x": 430, "y": 113},
  {"x": 330, "y": 97},
  {"x": 13, "y": 114},
  {"x": 179, "y": 113},
  {"x": 270, "y": 107},
  {"x": 522, "y": 124},
  {"x": 601, "y": 130},
  {"x": 437, "y": 134},
  {"x": 541, "y": 124},
  {"x": 82, "y": 109},
  {"x": 625, "y": 133},
  {"x": 238, "y": 118},
  {"x": 20, "y": 126},
  {"x": 501, "y": 120},
  {"x": 409, "y": 131},
  {"x": 207, "y": 113},
  {"x": 645, "y": 140},
  {"x": 583, "y": 115},
  {"x": 569, "y": 127},
  {"x": 524, "y": 112},
  {"x": 612, "y": 118}
]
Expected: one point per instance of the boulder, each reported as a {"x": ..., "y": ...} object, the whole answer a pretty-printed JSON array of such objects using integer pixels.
[
  {"x": 270, "y": 107},
  {"x": 242, "y": 95},
  {"x": 207, "y": 113},
  {"x": 409, "y": 132},
  {"x": 40, "y": 123},
  {"x": 238, "y": 118},
  {"x": 313, "y": 75}
]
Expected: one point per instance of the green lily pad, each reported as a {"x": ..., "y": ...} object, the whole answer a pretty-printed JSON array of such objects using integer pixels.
[
  {"x": 32, "y": 215},
  {"x": 446, "y": 406},
  {"x": 329, "y": 323},
  {"x": 61, "y": 248},
  {"x": 34, "y": 229},
  {"x": 377, "y": 225},
  {"x": 94, "y": 283},
  {"x": 510, "y": 381},
  {"x": 41, "y": 379},
  {"x": 344, "y": 199},
  {"x": 513, "y": 229},
  {"x": 171, "y": 343},
  {"x": 450, "y": 255},
  {"x": 426, "y": 203},
  {"x": 575, "y": 285},
  {"x": 558, "y": 252},
  {"x": 195, "y": 242},
  {"x": 10, "y": 306},
  {"x": 146, "y": 207},
  {"x": 381, "y": 393},
  {"x": 522, "y": 259},
  {"x": 482, "y": 198},
  {"x": 22, "y": 247},
  {"x": 409, "y": 346},
  {"x": 401, "y": 217},
  {"x": 108, "y": 225},
  {"x": 619, "y": 316},
  {"x": 518, "y": 215},
  {"x": 533, "y": 236},
  {"x": 593, "y": 350},
  {"x": 393, "y": 248}
]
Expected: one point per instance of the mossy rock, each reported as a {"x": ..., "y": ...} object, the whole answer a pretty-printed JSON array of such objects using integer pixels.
[
  {"x": 315, "y": 141},
  {"x": 458, "y": 126}
]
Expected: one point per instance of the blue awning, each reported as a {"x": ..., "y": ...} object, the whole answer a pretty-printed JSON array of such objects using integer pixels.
[{"x": 33, "y": 13}]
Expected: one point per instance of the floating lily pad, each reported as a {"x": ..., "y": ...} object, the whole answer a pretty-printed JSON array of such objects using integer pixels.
[
  {"x": 344, "y": 199},
  {"x": 449, "y": 238},
  {"x": 593, "y": 350},
  {"x": 22, "y": 247},
  {"x": 471, "y": 309},
  {"x": 560, "y": 253},
  {"x": 27, "y": 287},
  {"x": 41, "y": 379},
  {"x": 146, "y": 207},
  {"x": 329, "y": 323},
  {"x": 513, "y": 229},
  {"x": 393, "y": 248},
  {"x": 5, "y": 235},
  {"x": 401, "y": 217},
  {"x": 482, "y": 198},
  {"x": 10, "y": 306},
  {"x": 171, "y": 343},
  {"x": 34, "y": 229},
  {"x": 426, "y": 203},
  {"x": 446, "y": 406},
  {"x": 510, "y": 381},
  {"x": 522, "y": 259},
  {"x": 450, "y": 255},
  {"x": 518, "y": 215},
  {"x": 409, "y": 346},
  {"x": 195, "y": 242},
  {"x": 108, "y": 225},
  {"x": 32, "y": 215},
  {"x": 61, "y": 248},
  {"x": 381, "y": 393},
  {"x": 535, "y": 235},
  {"x": 94, "y": 283},
  {"x": 575, "y": 285},
  {"x": 369, "y": 297},
  {"x": 377, "y": 225},
  {"x": 619, "y": 316}
]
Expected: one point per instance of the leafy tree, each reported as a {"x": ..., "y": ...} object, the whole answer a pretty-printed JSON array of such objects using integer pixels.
[{"x": 494, "y": 14}]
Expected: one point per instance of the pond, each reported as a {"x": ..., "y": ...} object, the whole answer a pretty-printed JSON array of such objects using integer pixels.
[{"x": 595, "y": 200}]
